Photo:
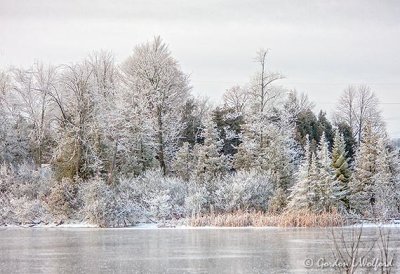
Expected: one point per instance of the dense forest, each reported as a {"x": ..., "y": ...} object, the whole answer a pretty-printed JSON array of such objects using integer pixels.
[{"x": 117, "y": 144}]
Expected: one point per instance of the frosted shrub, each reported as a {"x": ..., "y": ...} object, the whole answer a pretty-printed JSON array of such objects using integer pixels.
[
  {"x": 178, "y": 190},
  {"x": 5, "y": 183},
  {"x": 99, "y": 203},
  {"x": 63, "y": 200},
  {"x": 162, "y": 197},
  {"x": 278, "y": 201},
  {"x": 21, "y": 191},
  {"x": 244, "y": 190},
  {"x": 109, "y": 206},
  {"x": 160, "y": 205},
  {"x": 196, "y": 200},
  {"x": 26, "y": 181},
  {"x": 25, "y": 211}
]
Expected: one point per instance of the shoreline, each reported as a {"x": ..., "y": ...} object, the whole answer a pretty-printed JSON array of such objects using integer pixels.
[{"x": 155, "y": 226}]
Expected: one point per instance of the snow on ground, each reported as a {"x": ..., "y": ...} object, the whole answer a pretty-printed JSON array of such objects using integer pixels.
[
  {"x": 395, "y": 223},
  {"x": 52, "y": 225}
]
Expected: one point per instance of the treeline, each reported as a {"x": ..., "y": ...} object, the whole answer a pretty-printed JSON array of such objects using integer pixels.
[{"x": 79, "y": 141}]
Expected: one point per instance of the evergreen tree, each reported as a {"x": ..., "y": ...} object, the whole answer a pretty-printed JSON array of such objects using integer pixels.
[
  {"x": 386, "y": 182},
  {"x": 349, "y": 140},
  {"x": 274, "y": 153},
  {"x": 184, "y": 162},
  {"x": 246, "y": 157},
  {"x": 300, "y": 197},
  {"x": 211, "y": 162},
  {"x": 306, "y": 125},
  {"x": 341, "y": 166},
  {"x": 324, "y": 126},
  {"x": 229, "y": 125},
  {"x": 362, "y": 198},
  {"x": 327, "y": 186},
  {"x": 278, "y": 157}
]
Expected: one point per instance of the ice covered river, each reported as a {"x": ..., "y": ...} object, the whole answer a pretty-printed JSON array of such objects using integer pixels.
[{"x": 246, "y": 250}]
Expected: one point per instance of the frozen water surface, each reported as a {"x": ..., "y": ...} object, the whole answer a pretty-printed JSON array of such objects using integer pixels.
[{"x": 92, "y": 250}]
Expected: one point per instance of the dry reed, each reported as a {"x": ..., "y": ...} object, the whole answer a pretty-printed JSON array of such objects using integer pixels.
[{"x": 259, "y": 219}]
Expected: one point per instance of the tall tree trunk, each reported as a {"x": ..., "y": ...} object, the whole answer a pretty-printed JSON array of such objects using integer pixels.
[{"x": 161, "y": 157}]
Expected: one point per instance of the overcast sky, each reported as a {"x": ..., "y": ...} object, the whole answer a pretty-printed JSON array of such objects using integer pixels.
[{"x": 320, "y": 46}]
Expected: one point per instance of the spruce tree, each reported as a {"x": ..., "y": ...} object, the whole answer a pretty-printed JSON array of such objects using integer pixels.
[
  {"x": 341, "y": 166},
  {"x": 299, "y": 199},
  {"x": 211, "y": 162},
  {"x": 362, "y": 197},
  {"x": 386, "y": 182}
]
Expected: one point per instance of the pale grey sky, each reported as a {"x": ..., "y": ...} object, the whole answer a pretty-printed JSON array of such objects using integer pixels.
[{"x": 320, "y": 46}]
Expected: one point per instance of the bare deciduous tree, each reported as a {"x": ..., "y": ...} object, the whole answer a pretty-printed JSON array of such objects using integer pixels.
[
  {"x": 357, "y": 107},
  {"x": 263, "y": 93},
  {"x": 236, "y": 98},
  {"x": 32, "y": 88},
  {"x": 349, "y": 247}
]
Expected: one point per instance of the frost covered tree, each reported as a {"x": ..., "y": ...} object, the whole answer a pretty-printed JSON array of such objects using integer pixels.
[
  {"x": 155, "y": 77},
  {"x": 386, "y": 182},
  {"x": 248, "y": 150},
  {"x": 327, "y": 188},
  {"x": 362, "y": 197},
  {"x": 267, "y": 138},
  {"x": 30, "y": 96},
  {"x": 277, "y": 153},
  {"x": 300, "y": 196},
  {"x": 194, "y": 112},
  {"x": 341, "y": 165},
  {"x": 6, "y": 122},
  {"x": 263, "y": 97},
  {"x": 229, "y": 123},
  {"x": 104, "y": 134},
  {"x": 137, "y": 141},
  {"x": 358, "y": 107},
  {"x": 184, "y": 162},
  {"x": 75, "y": 101},
  {"x": 297, "y": 103},
  {"x": 375, "y": 182},
  {"x": 236, "y": 98},
  {"x": 263, "y": 94},
  {"x": 316, "y": 188},
  {"x": 86, "y": 105},
  {"x": 211, "y": 163}
]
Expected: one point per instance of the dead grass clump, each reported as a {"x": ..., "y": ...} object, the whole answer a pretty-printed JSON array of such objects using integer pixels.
[{"x": 259, "y": 219}]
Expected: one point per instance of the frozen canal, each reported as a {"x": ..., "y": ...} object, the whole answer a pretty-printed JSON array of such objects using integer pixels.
[{"x": 91, "y": 250}]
